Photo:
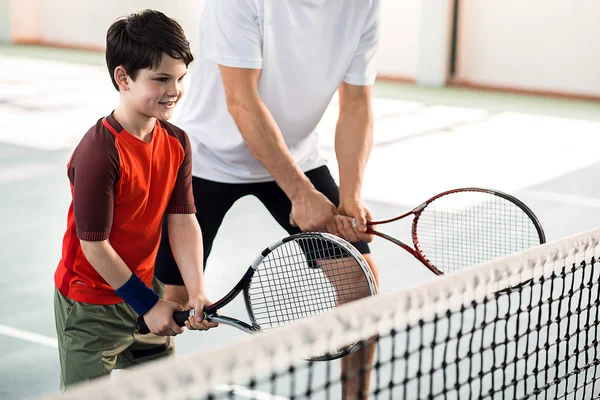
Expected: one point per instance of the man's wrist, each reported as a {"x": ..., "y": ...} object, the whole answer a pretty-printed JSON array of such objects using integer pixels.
[
  {"x": 348, "y": 194},
  {"x": 300, "y": 189},
  {"x": 198, "y": 295}
]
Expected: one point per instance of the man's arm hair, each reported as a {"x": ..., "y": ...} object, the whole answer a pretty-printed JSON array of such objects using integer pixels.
[
  {"x": 354, "y": 137},
  {"x": 260, "y": 131}
]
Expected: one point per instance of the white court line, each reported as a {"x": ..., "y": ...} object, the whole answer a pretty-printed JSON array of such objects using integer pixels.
[
  {"x": 570, "y": 199},
  {"x": 248, "y": 393},
  {"x": 28, "y": 336}
]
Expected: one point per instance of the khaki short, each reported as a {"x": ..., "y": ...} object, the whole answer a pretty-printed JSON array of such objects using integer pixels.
[{"x": 95, "y": 339}]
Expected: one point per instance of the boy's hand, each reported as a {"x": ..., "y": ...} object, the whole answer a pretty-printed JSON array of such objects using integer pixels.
[
  {"x": 160, "y": 319},
  {"x": 198, "y": 322}
]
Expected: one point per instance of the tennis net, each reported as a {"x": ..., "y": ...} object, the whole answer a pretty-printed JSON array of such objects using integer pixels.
[{"x": 520, "y": 327}]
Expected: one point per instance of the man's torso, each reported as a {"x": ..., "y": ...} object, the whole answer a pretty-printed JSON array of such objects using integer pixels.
[{"x": 305, "y": 50}]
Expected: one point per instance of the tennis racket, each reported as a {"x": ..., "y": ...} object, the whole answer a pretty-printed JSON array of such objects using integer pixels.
[
  {"x": 298, "y": 277},
  {"x": 462, "y": 227}
]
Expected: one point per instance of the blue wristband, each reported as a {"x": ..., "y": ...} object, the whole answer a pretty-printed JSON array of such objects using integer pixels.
[{"x": 135, "y": 293}]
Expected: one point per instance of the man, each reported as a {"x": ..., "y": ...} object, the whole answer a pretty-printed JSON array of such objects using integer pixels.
[{"x": 263, "y": 77}]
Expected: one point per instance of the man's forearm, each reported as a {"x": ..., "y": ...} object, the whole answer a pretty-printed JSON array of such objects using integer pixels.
[
  {"x": 265, "y": 141},
  {"x": 353, "y": 143}
]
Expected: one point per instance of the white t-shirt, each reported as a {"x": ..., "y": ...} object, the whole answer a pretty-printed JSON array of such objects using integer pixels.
[{"x": 305, "y": 49}]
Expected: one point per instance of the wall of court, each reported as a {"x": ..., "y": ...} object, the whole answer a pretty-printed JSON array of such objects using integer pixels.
[
  {"x": 25, "y": 19},
  {"x": 539, "y": 45},
  {"x": 76, "y": 23},
  {"x": 546, "y": 45},
  {"x": 83, "y": 24},
  {"x": 399, "y": 44},
  {"x": 5, "y": 21}
]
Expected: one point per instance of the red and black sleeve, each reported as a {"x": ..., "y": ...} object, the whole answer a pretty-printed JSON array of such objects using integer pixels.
[{"x": 93, "y": 172}]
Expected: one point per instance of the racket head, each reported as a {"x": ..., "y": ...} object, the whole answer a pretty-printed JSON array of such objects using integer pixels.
[
  {"x": 467, "y": 226},
  {"x": 305, "y": 275}
]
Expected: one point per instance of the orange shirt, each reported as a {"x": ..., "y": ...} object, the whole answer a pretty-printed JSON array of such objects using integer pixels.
[{"x": 121, "y": 189}]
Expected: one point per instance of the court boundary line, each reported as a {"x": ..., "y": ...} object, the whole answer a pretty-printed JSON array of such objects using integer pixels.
[{"x": 28, "y": 336}]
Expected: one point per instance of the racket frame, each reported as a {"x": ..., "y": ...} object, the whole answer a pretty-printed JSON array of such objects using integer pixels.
[
  {"x": 417, "y": 252},
  {"x": 210, "y": 312},
  {"x": 331, "y": 238}
]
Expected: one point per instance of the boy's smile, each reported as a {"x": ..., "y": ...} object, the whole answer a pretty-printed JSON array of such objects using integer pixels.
[
  {"x": 153, "y": 93},
  {"x": 156, "y": 92}
]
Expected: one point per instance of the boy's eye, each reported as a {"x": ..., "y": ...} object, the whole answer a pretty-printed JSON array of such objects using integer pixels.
[{"x": 163, "y": 80}]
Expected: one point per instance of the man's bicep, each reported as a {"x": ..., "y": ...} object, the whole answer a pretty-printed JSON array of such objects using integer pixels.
[
  {"x": 240, "y": 84},
  {"x": 352, "y": 97}
]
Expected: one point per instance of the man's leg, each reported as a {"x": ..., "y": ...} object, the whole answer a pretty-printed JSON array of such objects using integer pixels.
[
  {"x": 356, "y": 382},
  {"x": 212, "y": 200}
]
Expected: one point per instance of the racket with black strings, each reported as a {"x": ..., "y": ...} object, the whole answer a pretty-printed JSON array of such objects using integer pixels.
[
  {"x": 298, "y": 277},
  {"x": 462, "y": 227}
]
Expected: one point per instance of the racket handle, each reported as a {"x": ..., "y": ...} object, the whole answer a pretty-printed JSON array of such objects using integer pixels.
[{"x": 179, "y": 316}]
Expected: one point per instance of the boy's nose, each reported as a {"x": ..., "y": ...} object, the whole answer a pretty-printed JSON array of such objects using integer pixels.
[{"x": 173, "y": 91}]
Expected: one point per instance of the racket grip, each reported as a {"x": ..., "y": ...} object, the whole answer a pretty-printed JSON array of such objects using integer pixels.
[{"x": 179, "y": 316}]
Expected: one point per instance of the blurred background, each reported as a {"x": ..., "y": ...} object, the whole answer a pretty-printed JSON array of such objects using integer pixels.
[
  {"x": 497, "y": 93},
  {"x": 539, "y": 45}
]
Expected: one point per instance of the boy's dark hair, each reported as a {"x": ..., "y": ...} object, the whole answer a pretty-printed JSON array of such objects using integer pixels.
[{"x": 139, "y": 40}]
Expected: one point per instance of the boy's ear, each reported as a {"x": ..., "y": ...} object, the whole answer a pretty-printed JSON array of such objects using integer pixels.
[{"x": 122, "y": 78}]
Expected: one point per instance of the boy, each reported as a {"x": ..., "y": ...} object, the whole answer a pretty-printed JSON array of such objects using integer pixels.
[{"x": 128, "y": 171}]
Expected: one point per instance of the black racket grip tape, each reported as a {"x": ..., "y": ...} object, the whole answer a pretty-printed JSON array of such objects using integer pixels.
[{"x": 179, "y": 316}]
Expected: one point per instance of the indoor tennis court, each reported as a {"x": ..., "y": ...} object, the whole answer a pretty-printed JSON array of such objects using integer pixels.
[{"x": 428, "y": 138}]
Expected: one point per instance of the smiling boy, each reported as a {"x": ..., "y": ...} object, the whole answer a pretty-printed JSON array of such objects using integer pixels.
[{"x": 130, "y": 170}]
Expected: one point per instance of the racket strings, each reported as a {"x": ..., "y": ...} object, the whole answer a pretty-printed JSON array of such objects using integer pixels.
[
  {"x": 303, "y": 278},
  {"x": 468, "y": 228}
]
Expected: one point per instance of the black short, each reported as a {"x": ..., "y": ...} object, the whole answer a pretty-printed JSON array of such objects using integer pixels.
[{"x": 214, "y": 199}]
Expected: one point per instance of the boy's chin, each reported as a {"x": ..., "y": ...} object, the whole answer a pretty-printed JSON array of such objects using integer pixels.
[{"x": 164, "y": 115}]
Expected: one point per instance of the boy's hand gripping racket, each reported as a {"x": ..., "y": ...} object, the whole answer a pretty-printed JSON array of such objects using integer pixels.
[
  {"x": 462, "y": 227},
  {"x": 298, "y": 277}
]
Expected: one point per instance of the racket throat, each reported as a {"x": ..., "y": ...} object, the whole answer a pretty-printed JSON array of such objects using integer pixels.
[{"x": 221, "y": 319}]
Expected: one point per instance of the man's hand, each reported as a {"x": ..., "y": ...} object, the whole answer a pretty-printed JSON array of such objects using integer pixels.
[
  {"x": 160, "y": 319},
  {"x": 352, "y": 221},
  {"x": 197, "y": 322},
  {"x": 313, "y": 212}
]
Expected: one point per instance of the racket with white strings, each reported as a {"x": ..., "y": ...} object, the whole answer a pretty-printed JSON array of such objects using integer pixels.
[
  {"x": 462, "y": 227},
  {"x": 298, "y": 277}
]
